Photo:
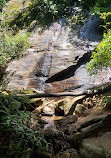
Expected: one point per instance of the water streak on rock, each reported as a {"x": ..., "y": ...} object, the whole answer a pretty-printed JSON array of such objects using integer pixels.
[{"x": 57, "y": 58}]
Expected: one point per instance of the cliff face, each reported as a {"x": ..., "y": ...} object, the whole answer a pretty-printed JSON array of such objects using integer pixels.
[{"x": 56, "y": 59}]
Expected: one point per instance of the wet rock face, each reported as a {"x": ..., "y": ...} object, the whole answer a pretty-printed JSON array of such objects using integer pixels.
[{"x": 56, "y": 60}]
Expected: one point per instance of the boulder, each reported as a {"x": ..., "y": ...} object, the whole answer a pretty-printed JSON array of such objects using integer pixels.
[
  {"x": 62, "y": 105},
  {"x": 40, "y": 153},
  {"x": 96, "y": 147},
  {"x": 79, "y": 110},
  {"x": 64, "y": 154},
  {"x": 48, "y": 111},
  {"x": 65, "y": 104},
  {"x": 89, "y": 151},
  {"x": 36, "y": 102}
]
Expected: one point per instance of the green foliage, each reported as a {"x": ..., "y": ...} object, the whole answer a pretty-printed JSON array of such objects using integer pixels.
[
  {"x": 12, "y": 46},
  {"x": 106, "y": 17},
  {"x": 2, "y": 3},
  {"x": 101, "y": 6},
  {"x": 41, "y": 13},
  {"x": 101, "y": 57},
  {"x": 96, "y": 6},
  {"x": 87, "y": 4},
  {"x": 108, "y": 100},
  {"x": 15, "y": 125}
]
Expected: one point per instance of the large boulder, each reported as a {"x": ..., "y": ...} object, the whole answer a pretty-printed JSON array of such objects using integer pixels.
[
  {"x": 36, "y": 102},
  {"x": 90, "y": 151},
  {"x": 64, "y": 105},
  {"x": 96, "y": 147},
  {"x": 79, "y": 110},
  {"x": 47, "y": 111}
]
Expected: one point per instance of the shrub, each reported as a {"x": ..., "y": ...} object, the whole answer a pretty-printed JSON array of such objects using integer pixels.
[
  {"x": 87, "y": 4},
  {"x": 106, "y": 17},
  {"x": 11, "y": 47},
  {"x": 20, "y": 139},
  {"x": 2, "y": 3},
  {"x": 101, "y": 6},
  {"x": 101, "y": 57},
  {"x": 42, "y": 12}
]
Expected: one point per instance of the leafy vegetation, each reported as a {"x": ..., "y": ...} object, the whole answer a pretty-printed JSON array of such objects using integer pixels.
[
  {"x": 16, "y": 125},
  {"x": 41, "y": 13},
  {"x": 87, "y": 4},
  {"x": 97, "y": 6},
  {"x": 101, "y": 6},
  {"x": 11, "y": 46},
  {"x": 106, "y": 18},
  {"x": 107, "y": 101},
  {"x": 101, "y": 57},
  {"x": 2, "y": 3}
]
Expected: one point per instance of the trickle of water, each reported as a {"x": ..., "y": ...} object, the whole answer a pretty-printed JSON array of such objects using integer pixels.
[{"x": 51, "y": 121}]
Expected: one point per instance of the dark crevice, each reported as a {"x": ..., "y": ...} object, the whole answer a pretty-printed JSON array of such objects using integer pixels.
[{"x": 70, "y": 71}]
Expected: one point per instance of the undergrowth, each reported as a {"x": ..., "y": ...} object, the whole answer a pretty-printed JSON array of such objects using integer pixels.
[
  {"x": 11, "y": 46},
  {"x": 39, "y": 13},
  {"x": 101, "y": 57},
  {"x": 17, "y": 137},
  {"x": 2, "y": 4}
]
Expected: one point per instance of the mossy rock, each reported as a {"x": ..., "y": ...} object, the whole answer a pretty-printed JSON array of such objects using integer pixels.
[{"x": 63, "y": 105}]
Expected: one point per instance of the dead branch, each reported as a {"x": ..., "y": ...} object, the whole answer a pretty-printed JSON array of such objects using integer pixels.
[{"x": 87, "y": 93}]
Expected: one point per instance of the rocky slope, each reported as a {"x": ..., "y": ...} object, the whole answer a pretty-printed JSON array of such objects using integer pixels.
[{"x": 56, "y": 59}]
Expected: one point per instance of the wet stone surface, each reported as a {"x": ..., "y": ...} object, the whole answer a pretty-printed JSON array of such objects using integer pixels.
[{"x": 56, "y": 59}]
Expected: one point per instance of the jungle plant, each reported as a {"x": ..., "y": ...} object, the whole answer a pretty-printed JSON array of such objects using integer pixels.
[
  {"x": 2, "y": 3},
  {"x": 42, "y": 13},
  {"x": 11, "y": 46},
  {"x": 106, "y": 18},
  {"x": 101, "y": 57},
  {"x": 16, "y": 125}
]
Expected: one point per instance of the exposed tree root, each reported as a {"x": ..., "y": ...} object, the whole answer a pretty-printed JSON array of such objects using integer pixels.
[
  {"x": 98, "y": 124},
  {"x": 88, "y": 123}
]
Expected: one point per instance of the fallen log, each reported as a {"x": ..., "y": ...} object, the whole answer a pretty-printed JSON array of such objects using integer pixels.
[
  {"x": 45, "y": 95},
  {"x": 88, "y": 93},
  {"x": 105, "y": 122}
]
